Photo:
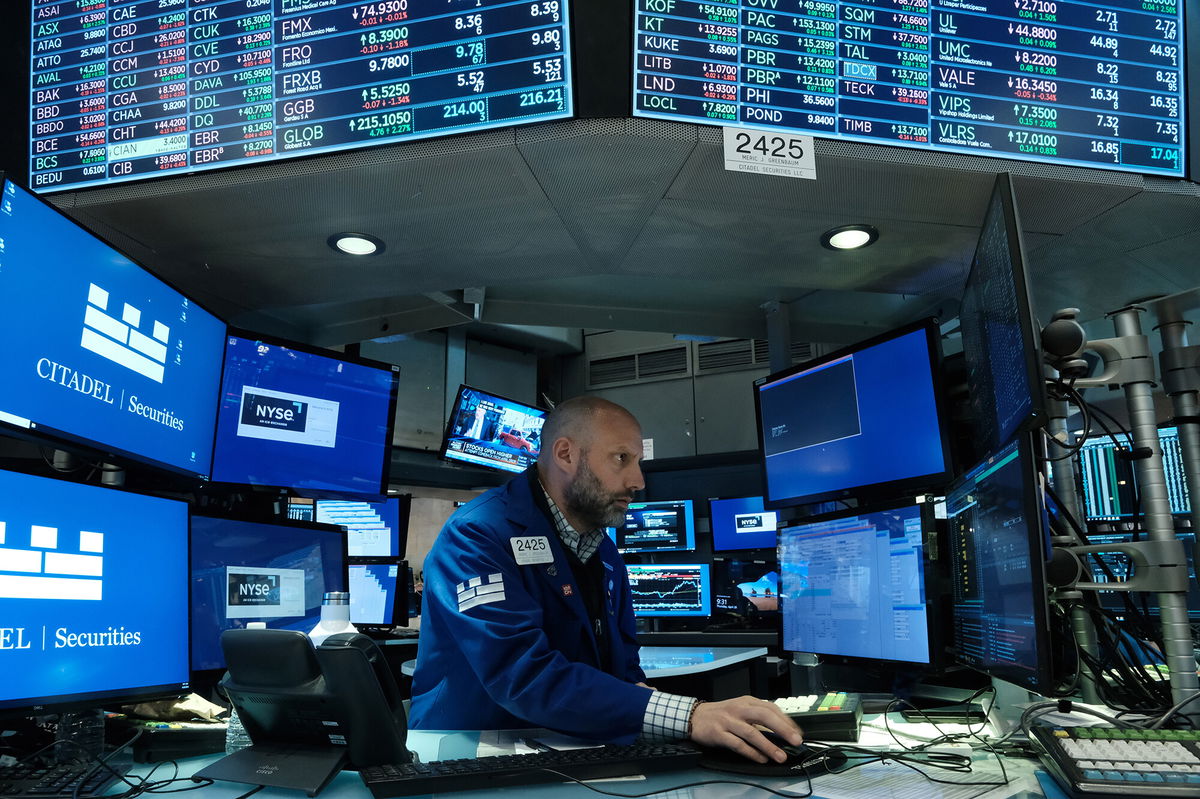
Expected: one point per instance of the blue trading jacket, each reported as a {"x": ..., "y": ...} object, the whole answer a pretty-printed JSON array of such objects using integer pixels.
[{"x": 507, "y": 646}]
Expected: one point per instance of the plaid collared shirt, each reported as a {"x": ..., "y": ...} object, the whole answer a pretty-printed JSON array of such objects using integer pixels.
[{"x": 667, "y": 715}]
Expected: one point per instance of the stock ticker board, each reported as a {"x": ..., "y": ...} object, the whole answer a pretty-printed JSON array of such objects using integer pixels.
[
  {"x": 1087, "y": 84},
  {"x": 127, "y": 89}
]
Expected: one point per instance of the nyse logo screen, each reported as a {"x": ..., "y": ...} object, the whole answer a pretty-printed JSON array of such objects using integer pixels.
[
  {"x": 282, "y": 414},
  {"x": 253, "y": 589}
]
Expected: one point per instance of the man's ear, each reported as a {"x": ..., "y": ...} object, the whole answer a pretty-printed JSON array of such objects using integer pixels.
[{"x": 566, "y": 455}]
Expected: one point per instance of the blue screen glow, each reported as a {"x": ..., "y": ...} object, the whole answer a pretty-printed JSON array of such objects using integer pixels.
[
  {"x": 301, "y": 420},
  {"x": 93, "y": 592},
  {"x": 742, "y": 523},
  {"x": 98, "y": 350}
]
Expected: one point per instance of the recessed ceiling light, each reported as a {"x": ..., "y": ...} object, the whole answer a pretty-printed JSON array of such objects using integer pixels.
[
  {"x": 849, "y": 237},
  {"x": 356, "y": 243}
]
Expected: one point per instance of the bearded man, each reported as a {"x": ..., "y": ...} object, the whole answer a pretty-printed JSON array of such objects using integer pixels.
[{"x": 527, "y": 617}]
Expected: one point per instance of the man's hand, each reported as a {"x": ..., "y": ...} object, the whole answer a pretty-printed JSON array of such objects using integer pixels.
[{"x": 731, "y": 724}]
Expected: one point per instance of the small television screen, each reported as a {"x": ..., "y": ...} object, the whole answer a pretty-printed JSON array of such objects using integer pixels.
[
  {"x": 373, "y": 529},
  {"x": 742, "y": 523},
  {"x": 855, "y": 584},
  {"x": 378, "y": 593},
  {"x": 93, "y": 595},
  {"x": 1110, "y": 482},
  {"x": 1001, "y": 347},
  {"x": 294, "y": 416},
  {"x": 661, "y": 526},
  {"x": 864, "y": 421},
  {"x": 745, "y": 587},
  {"x": 670, "y": 589},
  {"x": 493, "y": 431},
  {"x": 97, "y": 350},
  {"x": 252, "y": 571},
  {"x": 998, "y": 547}
]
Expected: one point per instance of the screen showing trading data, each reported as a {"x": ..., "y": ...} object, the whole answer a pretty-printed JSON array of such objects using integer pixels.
[
  {"x": 375, "y": 588},
  {"x": 996, "y": 542},
  {"x": 373, "y": 529},
  {"x": 854, "y": 585},
  {"x": 1092, "y": 84},
  {"x": 670, "y": 589},
  {"x": 1110, "y": 484},
  {"x": 1109, "y": 567},
  {"x": 662, "y": 526},
  {"x": 127, "y": 89}
]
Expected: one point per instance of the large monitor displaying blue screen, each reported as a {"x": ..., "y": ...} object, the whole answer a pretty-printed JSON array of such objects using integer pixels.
[
  {"x": 97, "y": 350},
  {"x": 862, "y": 420},
  {"x": 93, "y": 595},
  {"x": 373, "y": 529},
  {"x": 670, "y": 589},
  {"x": 667, "y": 525},
  {"x": 1098, "y": 85},
  {"x": 741, "y": 523},
  {"x": 486, "y": 429},
  {"x": 854, "y": 584},
  {"x": 251, "y": 571},
  {"x": 296, "y": 417},
  {"x": 169, "y": 87}
]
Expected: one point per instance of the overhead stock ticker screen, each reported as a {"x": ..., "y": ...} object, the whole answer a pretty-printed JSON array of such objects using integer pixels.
[
  {"x": 126, "y": 89},
  {"x": 1087, "y": 84}
]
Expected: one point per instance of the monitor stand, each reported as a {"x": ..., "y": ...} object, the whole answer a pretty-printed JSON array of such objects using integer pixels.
[{"x": 301, "y": 768}]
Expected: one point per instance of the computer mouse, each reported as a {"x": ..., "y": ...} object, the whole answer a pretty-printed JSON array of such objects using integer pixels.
[{"x": 803, "y": 760}]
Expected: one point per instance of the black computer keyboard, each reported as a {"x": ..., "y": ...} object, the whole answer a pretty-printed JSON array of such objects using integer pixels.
[
  {"x": 504, "y": 770},
  {"x": 1103, "y": 761},
  {"x": 29, "y": 781}
]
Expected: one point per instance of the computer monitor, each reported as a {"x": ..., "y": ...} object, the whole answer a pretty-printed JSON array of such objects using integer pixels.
[
  {"x": 1001, "y": 347},
  {"x": 93, "y": 596},
  {"x": 488, "y": 430},
  {"x": 864, "y": 421},
  {"x": 857, "y": 584},
  {"x": 276, "y": 573},
  {"x": 1121, "y": 567},
  {"x": 98, "y": 351},
  {"x": 741, "y": 523},
  {"x": 302, "y": 509},
  {"x": 745, "y": 587},
  {"x": 378, "y": 593},
  {"x": 294, "y": 416},
  {"x": 998, "y": 548},
  {"x": 670, "y": 589},
  {"x": 373, "y": 529},
  {"x": 661, "y": 526},
  {"x": 1110, "y": 482}
]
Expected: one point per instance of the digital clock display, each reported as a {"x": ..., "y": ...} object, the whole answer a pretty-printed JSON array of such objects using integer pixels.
[
  {"x": 1087, "y": 84},
  {"x": 127, "y": 89}
]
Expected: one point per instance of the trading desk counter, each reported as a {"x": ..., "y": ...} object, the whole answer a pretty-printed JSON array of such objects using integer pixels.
[{"x": 872, "y": 781}]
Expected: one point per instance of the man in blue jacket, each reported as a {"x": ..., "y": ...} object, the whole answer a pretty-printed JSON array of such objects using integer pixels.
[{"x": 527, "y": 618}]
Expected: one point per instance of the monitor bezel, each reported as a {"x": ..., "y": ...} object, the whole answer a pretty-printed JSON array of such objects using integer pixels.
[
  {"x": 315, "y": 493},
  {"x": 1031, "y": 350},
  {"x": 1042, "y": 679},
  {"x": 209, "y": 677},
  {"x": 63, "y": 703},
  {"x": 400, "y": 608},
  {"x": 869, "y": 492},
  {"x": 85, "y": 446},
  {"x": 443, "y": 451},
  {"x": 933, "y": 576},
  {"x": 689, "y": 544}
]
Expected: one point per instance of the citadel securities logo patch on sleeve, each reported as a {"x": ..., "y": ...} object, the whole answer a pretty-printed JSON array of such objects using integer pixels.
[
  {"x": 480, "y": 591},
  {"x": 292, "y": 418},
  {"x": 119, "y": 340},
  {"x": 37, "y": 568}
]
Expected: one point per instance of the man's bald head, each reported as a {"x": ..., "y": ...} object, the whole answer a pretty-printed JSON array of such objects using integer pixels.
[{"x": 578, "y": 419}]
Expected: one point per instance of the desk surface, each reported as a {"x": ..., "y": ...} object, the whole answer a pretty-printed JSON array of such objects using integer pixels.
[
  {"x": 873, "y": 780},
  {"x": 673, "y": 661}
]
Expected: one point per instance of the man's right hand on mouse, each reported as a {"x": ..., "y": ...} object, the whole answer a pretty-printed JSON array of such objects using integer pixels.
[{"x": 732, "y": 724}]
